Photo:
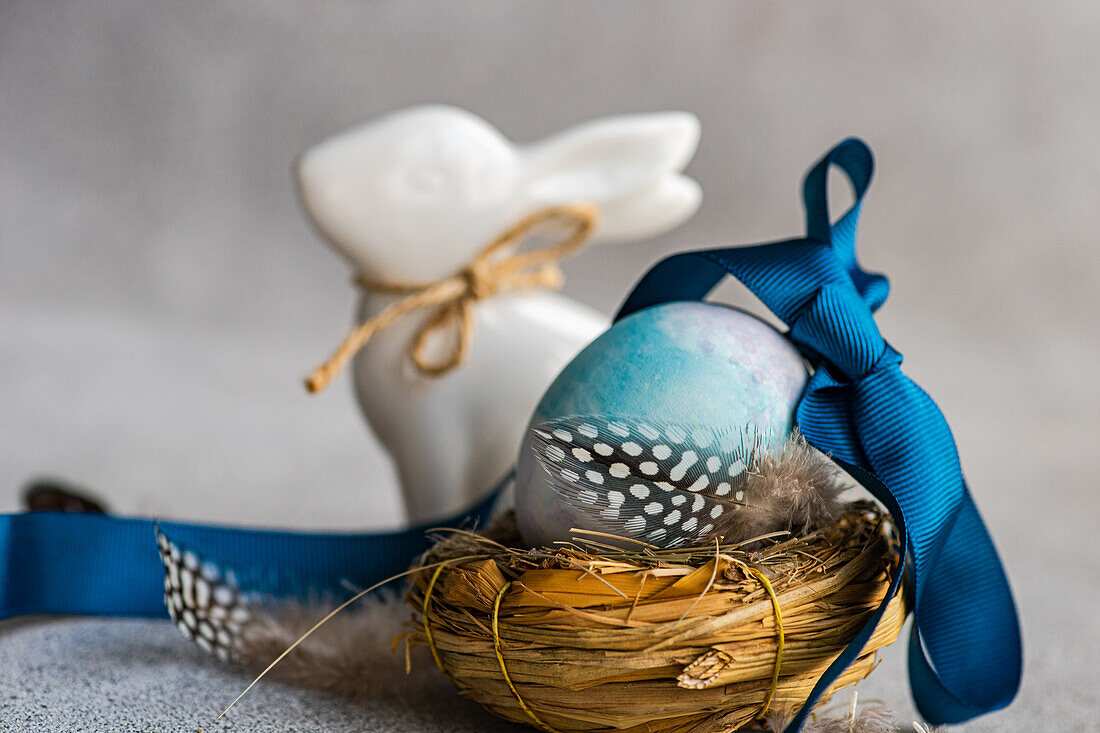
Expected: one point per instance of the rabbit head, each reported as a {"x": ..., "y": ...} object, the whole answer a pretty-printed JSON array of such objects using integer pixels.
[{"x": 413, "y": 195}]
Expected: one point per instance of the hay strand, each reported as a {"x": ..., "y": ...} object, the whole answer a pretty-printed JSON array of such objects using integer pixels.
[{"x": 587, "y": 636}]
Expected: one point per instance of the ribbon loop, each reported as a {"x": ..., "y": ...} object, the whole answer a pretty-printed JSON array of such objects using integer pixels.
[
  {"x": 884, "y": 430},
  {"x": 855, "y": 160}
]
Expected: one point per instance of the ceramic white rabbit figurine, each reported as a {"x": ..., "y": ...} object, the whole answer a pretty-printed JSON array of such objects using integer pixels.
[{"x": 413, "y": 196}]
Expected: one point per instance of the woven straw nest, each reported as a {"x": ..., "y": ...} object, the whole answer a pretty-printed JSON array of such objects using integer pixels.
[{"x": 596, "y": 638}]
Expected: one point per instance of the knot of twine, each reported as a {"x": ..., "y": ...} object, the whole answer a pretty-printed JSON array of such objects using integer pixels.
[{"x": 494, "y": 269}]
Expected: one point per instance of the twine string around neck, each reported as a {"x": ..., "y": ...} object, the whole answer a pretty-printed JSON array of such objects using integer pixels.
[{"x": 496, "y": 268}]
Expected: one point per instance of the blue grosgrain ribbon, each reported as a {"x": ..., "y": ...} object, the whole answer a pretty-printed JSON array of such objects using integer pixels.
[
  {"x": 100, "y": 565},
  {"x": 965, "y": 653}
]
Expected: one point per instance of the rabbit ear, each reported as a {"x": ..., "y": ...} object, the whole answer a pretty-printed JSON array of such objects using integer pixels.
[
  {"x": 627, "y": 165},
  {"x": 666, "y": 204}
]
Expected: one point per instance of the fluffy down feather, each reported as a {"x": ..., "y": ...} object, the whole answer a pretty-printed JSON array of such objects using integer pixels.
[
  {"x": 351, "y": 654},
  {"x": 796, "y": 489}
]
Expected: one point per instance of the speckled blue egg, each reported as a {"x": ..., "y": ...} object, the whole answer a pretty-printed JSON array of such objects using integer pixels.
[{"x": 694, "y": 363}]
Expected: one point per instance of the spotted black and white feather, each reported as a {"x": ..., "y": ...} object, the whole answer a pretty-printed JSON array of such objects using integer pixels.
[
  {"x": 203, "y": 601},
  {"x": 672, "y": 485},
  {"x": 348, "y": 655}
]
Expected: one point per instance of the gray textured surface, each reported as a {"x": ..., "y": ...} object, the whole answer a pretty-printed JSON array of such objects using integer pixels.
[
  {"x": 160, "y": 296},
  {"x": 141, "y": 677}
]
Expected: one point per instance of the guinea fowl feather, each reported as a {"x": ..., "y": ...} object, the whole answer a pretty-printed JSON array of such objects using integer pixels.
[
  {"x": 672, "y": 485},
  {"x": 349, "y": 654}
]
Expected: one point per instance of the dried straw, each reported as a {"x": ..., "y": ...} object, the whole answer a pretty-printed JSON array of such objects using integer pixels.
[{"x": 592, "y": 637}]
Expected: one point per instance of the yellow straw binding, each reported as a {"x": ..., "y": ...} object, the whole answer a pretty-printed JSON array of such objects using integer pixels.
[
  {"x": 779, "y": 633},
  {"x": 427, "y": 626},
  {"x": 504, "y": 669}
]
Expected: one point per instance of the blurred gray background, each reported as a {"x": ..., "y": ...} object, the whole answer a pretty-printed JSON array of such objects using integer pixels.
[{"x": 161, "y": 296}]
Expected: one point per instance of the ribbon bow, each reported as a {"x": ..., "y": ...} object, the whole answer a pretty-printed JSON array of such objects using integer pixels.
[
  {"x": 494, "y": 269},
  {"x": 965, "y": 654}
]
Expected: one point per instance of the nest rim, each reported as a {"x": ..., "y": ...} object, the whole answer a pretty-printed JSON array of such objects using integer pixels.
[{"x": 470, "y": 585}]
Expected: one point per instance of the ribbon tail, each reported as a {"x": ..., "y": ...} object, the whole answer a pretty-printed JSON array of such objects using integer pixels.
[
  {"x": 101, "y": 565},
  {"x": 972, "y": 663},
  {"x": 965, "y": 651},
  {"x": 85, "y": 564}
]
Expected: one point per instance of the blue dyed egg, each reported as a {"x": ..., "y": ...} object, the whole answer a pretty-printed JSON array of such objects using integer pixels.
[{"x": 701, "y": 364}]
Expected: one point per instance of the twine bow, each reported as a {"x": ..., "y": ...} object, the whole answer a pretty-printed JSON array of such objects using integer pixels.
[{"x": 494, "y": 269}]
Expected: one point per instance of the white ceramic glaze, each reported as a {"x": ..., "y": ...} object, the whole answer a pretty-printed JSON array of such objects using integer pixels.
[{"x": 413, "y": 196}]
